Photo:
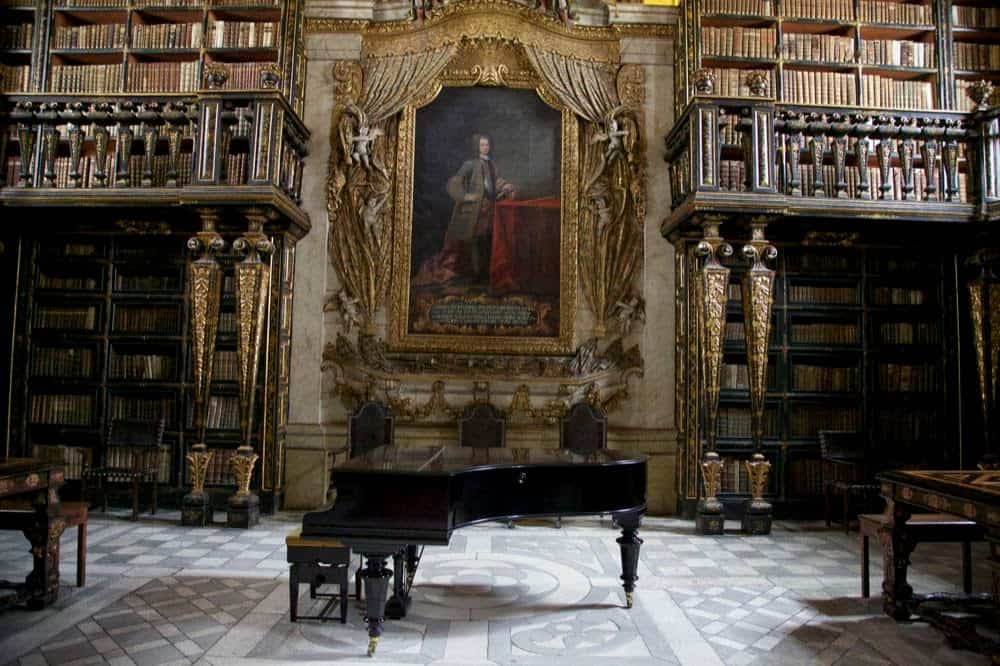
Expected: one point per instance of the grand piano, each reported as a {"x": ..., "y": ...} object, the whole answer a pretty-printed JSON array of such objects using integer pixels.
[{"x": 391, "y": 500}]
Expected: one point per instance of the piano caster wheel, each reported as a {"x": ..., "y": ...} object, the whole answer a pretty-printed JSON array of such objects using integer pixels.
[
  {"x": 372, "y": 644},
  {"x": 628, "y": 600}
]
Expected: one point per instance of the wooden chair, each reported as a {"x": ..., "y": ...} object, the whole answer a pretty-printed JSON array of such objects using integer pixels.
[
  {"x": 132, "y": 456},
  {"x": 368, "y": 428},
  {"x": 846, "y": 473},
  {"x": 482, "y": 426},
  {"x": 923, "y": 527},
  {"x": 583, "y": 430}
]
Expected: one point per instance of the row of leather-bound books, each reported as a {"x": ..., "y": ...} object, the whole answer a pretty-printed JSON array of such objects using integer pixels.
[
  {"x": 872, "y": 11},
  {"x": 141, "y": 4},
  {"x": 62, "y": 409},
  {"x": 743, "y": 42},
  {"x": 16, "y": 35}
]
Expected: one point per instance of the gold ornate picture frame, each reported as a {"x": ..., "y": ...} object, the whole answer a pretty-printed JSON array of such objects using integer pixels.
[{"x": 439, "y": 303}]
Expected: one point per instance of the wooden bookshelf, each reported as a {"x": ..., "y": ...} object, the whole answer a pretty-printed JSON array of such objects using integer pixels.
[
  {"x": 874, "y": 54},
  {"x": 107, "y": 337},
  {"x": 857, "y": 344},
  {"x": 156, "y": 46}
]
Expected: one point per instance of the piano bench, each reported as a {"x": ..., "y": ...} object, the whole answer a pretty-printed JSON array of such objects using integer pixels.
[
  {"x": 928, "y": 528},
  {"x": 317, "y": 562}
]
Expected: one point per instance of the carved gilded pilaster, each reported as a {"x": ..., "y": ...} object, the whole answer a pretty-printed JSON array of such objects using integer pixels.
[
  {"x": 204, "y": 296},
  {"x": 976, "y": 312},
  {"x": 712, "y": 296},
  {"x": 710, "y": 518},
  {"x": 252, "y": 284},
  {"x": 758, "y": 298}
]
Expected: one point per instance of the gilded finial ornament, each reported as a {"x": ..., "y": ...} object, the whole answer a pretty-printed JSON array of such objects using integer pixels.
[
  {"x": 270, "y": 76},
  {"x": 758, "y": 83},
  {"x": 981, "y": 91},
  {"x": 216, "y": 75},
  {"x": 704, "y": 82}
]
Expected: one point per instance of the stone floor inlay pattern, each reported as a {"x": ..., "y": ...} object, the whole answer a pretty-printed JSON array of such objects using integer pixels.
[{"x": 161, "y": 594}]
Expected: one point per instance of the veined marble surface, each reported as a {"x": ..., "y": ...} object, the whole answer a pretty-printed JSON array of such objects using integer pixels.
[{"x": 161, "y": 594}]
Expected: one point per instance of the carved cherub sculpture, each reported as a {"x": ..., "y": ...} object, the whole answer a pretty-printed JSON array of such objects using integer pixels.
[
  {"x": 361, "y": 145},
  {"x": 630, "y": 310},
  {"x": 369, "y": 213},
  {"x": 616, "y": 141},
  {"x": 348, "y": 307},
  {"x": 603, "y": 211}
]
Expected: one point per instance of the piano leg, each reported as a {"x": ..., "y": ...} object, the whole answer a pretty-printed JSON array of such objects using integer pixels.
[
  {"x": 412, "y": 562},
  {"x": 395, "y": 607},
  {"x": 376, "y": 577},
  {"x": 630, "y": 543}
]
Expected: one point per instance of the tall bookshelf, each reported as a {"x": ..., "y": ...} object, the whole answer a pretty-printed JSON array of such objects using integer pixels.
[
  {"x": 147, "y": 46},
  {"x": 873, "y": 54},
  {"x": 107, "y": 336},
  {"x": 859, "y": 343}
]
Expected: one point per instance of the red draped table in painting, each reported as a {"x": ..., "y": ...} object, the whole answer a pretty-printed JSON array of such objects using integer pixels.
[
  {"x": 29, "y": 502},
  {"x": 525, "y": 253}
]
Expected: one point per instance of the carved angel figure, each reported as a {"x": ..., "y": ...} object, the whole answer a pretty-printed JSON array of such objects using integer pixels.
[
  {"x": 361, "y": 145},
  {"x": 603, "y": 211},
  {"x": 348, "y": 307},
  {"x": 615, "y": 138},
  {"x": 369, "y": 213},
  {"x": 628, "y": 311}
]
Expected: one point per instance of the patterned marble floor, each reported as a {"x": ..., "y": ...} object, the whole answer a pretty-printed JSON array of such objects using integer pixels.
[{"x": 160, "y": 594}]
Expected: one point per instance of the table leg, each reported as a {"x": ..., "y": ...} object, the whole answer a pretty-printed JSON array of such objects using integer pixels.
[
  {"x": 896, "y": 548},
  {"x": 293, "y": 591},
  {"x": 376, "y": 577},
  {"x": 630, "y": 543},
  {"x": 43, "y": 581}
]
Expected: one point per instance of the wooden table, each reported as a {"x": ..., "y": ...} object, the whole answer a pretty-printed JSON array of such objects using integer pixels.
[
  {"x": 973, "y": 495},
  {"x": 29, "y": 502}
]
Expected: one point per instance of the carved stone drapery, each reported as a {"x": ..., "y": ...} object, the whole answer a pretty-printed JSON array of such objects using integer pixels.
[
  {"x": 713, "y": 294},
  {"x": 758, "y": 298}
]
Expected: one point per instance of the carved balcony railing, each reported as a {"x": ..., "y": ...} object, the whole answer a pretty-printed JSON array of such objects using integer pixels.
[
  {"x": 208, "y": 148},
  {"x": 754, "y": 156}
]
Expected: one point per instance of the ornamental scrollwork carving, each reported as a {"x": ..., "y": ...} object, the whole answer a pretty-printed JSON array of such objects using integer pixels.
[{"x": 712, "y": 295}]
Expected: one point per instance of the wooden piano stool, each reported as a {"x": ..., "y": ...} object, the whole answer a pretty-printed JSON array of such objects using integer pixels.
[
  {"x": 317, "y": 561},
  {"x": 926, "y": 528}
]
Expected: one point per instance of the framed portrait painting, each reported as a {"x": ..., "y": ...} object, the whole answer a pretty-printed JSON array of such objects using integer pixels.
[{"x": 484, "y": 257}]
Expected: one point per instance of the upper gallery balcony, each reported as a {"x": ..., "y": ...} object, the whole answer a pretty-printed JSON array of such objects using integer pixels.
[
  {"x": 753, "y": 156},
  {"x": 210, "y": 148}
]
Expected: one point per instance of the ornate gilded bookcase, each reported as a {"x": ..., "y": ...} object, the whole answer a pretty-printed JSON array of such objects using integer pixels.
[
  {"x": 833, "y": 262},
  {"x": 163, "y": 152}
]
